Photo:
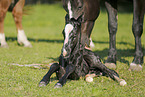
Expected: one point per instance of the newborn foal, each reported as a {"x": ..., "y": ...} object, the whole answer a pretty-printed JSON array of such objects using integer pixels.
[{"x": 75, "y": 60}]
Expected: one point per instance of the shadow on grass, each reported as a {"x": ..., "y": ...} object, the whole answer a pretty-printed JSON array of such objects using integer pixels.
[
  {"x": 120, "y": 53},
  {"x": 103, "y": 53},
  {"x": 61, "y": 41},
  {"x": 121, "y": 42},
  {"x": 34, "y": 40},
  {"x": 54, "y": 59}
]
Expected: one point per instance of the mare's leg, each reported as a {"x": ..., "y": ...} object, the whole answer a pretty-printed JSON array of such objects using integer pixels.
[
  {"x": 137, "y": 29},
  {"x": 17, "y": 14},
  {"x": 62, "y": 81},
  {"x": 4, "y": 5},
  {"x": 54, "y": 68},
  {"x": 111, "y": 6},
  {"x": 86, "y": 29}
]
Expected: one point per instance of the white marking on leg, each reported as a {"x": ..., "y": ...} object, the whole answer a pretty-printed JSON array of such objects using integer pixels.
[
  {"x": 122, "y": 82},
  {"x": 23, "y": 39},
  {"x": 2, "y": 40},
  {"x": 70, "y": 10}
]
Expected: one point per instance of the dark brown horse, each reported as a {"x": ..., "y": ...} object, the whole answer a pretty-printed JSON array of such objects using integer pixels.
[
  {"x": 89, "y": 11},
  {"x": 16, "y": 7}
]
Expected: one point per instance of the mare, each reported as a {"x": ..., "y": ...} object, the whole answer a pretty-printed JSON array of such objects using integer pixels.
[
  {"x": 16, "y": 7},
  {"x": 88, "y": 11}
]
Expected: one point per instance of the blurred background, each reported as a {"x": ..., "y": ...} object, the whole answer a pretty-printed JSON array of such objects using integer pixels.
[
  {"x": 123, "y": 5},
  {"x": 53, "y": 1},
  {"x": 41, "y": 1}
]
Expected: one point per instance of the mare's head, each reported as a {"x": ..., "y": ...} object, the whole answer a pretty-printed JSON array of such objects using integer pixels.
[{"x": 74, "y": 8}]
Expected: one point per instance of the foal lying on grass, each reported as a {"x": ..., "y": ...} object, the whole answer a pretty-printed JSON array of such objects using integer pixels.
[{"x": 76, "y": 61}]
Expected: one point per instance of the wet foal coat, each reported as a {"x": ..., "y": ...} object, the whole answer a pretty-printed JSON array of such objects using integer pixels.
[
  {"x": 77, "y": 61},
  {"x": 16, "y": 7}
]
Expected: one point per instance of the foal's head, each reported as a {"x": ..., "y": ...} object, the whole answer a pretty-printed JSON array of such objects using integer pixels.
[{"x": 71, "y": 37}]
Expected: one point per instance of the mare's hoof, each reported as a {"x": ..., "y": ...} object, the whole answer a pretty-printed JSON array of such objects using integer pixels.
[
  {"x": 135, "y": 67},
  {"x": 57, "y": 85},
  {"x": 28, "y": 45},
  {"x": 110, "y": 65},
  {"x": 25, "y": 43},
  {"x": 4, "y": 45},
  {"x": 42, "y": 84}
]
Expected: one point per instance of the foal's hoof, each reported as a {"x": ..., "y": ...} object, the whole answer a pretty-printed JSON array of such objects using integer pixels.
[
  {"x": 123, "y": 82},
  {"x": 42, "y": 84},
  {"x": 110, "y": 65},
  {"x": 135, "y": 67},
  {"x": 57, "y": 85},
  {"x": 89, "y": 77}
]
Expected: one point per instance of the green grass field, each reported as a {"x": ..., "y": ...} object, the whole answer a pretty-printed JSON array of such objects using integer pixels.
[{"x": 43, "y": 26}]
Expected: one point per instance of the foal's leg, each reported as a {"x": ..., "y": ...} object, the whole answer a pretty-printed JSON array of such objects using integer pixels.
[
  {"x": 17, "y": 14},
  {"x": 62, "y": 81},
  {"x": 54, "y": 67},
  {"x": 111, "y": 6},
  {"x": 95, "y": 62},
  {"x": 4, "y": 5},
  {"x": 137, "y": 28}
]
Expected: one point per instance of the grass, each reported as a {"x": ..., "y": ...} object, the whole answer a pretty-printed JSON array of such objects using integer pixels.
[{"x": 43, "y": 27}]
